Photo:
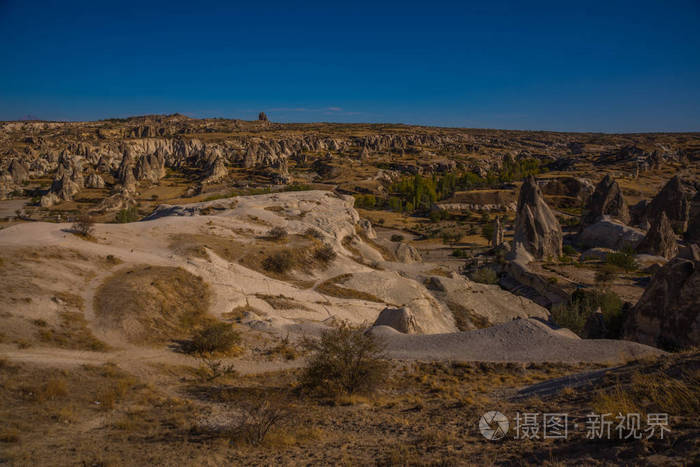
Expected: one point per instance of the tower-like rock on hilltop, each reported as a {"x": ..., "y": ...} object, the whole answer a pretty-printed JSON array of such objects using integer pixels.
[{"x": 536, "y": 228}]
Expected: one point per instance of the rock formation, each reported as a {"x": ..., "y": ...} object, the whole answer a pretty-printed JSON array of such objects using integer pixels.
[
  {"x": 610, "y": 233},
  {"x": 668, "y": 313},
  {"x": 498, "y": 236},
  {"x": 407, "y": 253},
  {"x": 674, "y": 199},
  {"x": 401, "y": 319},
  {"x": 660, "y": 240},
  {"x": 536, "y": 228},
  {"x": 262, "y": 117},
  {"x": 606, "y": 200},
  {"x": 94, "y": 181}
]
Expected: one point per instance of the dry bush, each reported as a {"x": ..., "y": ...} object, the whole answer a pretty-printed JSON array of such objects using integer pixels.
[
  {"x": 258, "y": 421},
  {"x": 279, "y": 262},
  {"x": 152, "y": 303},
  {"x": 345, "y": 360},
  {"x": 313, "y": 233},
  {"x": 214, "y": 338},
  {"x": 325, "y": 254},
  {"x": 211, "y": 369},
  {"x": 277, "y": 234},
  {"x": 83, "y": 225}
]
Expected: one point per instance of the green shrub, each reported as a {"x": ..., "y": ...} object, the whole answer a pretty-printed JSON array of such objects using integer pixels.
[
  {"x": 345, "y": 360},
  {"x": 127, "y": 215},
  {"x": 487, "y": 231},
  {"x": 568, "y": 250},
  {"x": 623, "y": 259},
  {"x": 218, "y": 337},
  {"x": 575, "y": 312},
  {"x": 485, "y": 276}
]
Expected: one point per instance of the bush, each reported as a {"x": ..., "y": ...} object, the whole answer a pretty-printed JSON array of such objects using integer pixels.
[
  {"x": 485, "y": 276},
  {"x": 623, "y": 259},
  {"x": 575, "y": 312},
  {"x": 487, "y": 231},
  {"x": 279, "y": 262},
  {"x": 325, "y": 254},
  {"x": 568, "y": 250},
  {"x": 397, "y": 238},
  {"x": 218, "y": 337},
  {"x": 83, "y": 225},
  {"x": 313, "y": 233},
  {"x": 127, "y": 215},
  {"x": 344, "y": 361},
  {"x": 605, "y": 275},
  {"x": 277, "y": 233},
  {"x": 258, "y": 422}
]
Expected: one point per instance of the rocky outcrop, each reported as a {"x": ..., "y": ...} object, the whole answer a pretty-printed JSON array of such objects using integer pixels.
[
  {"x": 660, "y": 240},
  {"x": 668, "y": 313},
  {"x": 497, "y": 238},
  {"x": 536, "y": 228},
  {"x": 216, "y": 171},
  {"x": 69, "y": 181},
  {"x": 18, "y": 172},
  {"x": 577, "y": 188},
  {"x": 94, "y": 181},
  {"x": 675, "y": 200},
  {"x": 401, "y": 319},
  {"x": 150, "y": 167},
  {"x": 367, "y": 228},
  {"x": 407, "y": 253},
  {"x": 606, "y": 200},
  {"x": 610, "y": 233}
]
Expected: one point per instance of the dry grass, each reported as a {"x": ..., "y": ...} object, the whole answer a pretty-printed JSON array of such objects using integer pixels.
[
  {"x": 280, "y": 302},
  {"x": 333, "y": 288},
  {"x": 152, "y": 303},
  {"x": 72, "y": 333},
  {"x": 466, "y": 319}
]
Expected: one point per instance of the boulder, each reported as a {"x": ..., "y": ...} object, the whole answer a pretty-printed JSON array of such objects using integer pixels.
[
  {"x": 536, "y": 227},
  {"x": 401, "y": 319},
  {"x": 668, "y": 313},
  {"x": 610, "y": 233},
  {"x": 406, "y": 253},
  {"x": 606, "y": 200},
  {"x": 660, "y": 240}
]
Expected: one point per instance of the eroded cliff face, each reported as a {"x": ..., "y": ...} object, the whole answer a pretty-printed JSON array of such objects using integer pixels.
[{"x": 668, "y": 314}]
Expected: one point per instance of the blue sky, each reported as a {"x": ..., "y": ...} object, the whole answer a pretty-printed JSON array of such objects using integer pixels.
[{"x": 574, "y": 66}]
